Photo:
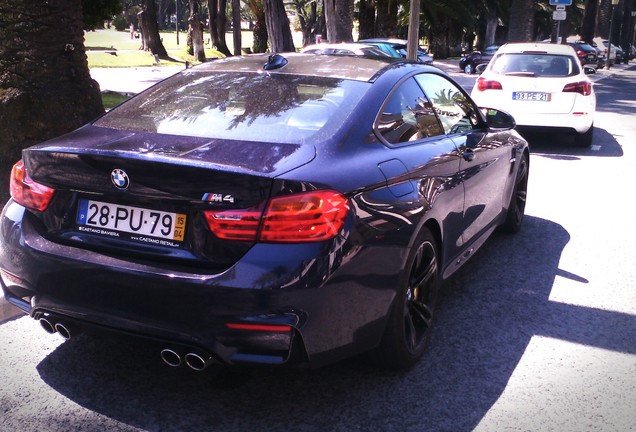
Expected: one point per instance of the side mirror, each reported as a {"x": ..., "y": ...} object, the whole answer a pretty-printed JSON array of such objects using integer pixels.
[
  {"x": 498, "y": 120},
  {"x": 589, "y": 70},
  {"x": 480, "y": 68}
]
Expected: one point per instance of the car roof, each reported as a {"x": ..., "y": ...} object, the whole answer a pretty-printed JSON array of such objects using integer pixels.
[
  {"x": 353, "y": 46},
  {"x": 536, "y": 47},
  {"x": 387, "y": 40},
  {"x": 342, "y": 67}
]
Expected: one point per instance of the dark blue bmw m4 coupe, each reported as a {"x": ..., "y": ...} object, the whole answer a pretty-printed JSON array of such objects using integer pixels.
[{"x": 287, "y": 210}]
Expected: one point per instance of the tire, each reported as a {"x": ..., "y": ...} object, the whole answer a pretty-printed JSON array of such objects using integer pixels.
[
  {"x": 584, "y": 139},
  {"x": 517, "y": 206},
  {"x": 469, "y": 68},
  {"x": 408, "y": 330}
]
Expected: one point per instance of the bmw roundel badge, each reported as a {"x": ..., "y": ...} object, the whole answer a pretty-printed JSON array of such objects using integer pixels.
[{"x": 119, "y": 179}]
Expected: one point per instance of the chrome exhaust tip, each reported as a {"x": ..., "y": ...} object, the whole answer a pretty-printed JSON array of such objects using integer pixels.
[
  {"x": 47, "y": 325},
  {"x": 198, "y": 362},
  {"x": 171, "y": 357},
  {"x": 64, "y": 330}
]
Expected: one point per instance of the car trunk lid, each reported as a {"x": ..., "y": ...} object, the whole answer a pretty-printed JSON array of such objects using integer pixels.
[{"x": 143, "y": 194}]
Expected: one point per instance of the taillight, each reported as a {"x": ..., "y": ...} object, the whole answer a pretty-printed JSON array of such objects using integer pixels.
[
  {"x": 582, "y": 87},
  {"x": 486, "y": 84},
  {"x": 234, "y": 224},
  {"x": 306, "y": 217},
  {"x": 259, "y": 327},
  {"x": 27, "y": 192}
]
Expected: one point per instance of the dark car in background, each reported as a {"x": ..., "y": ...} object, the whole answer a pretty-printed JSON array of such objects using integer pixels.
[
  {"x": 398, "y": 48},
  {"x": 586, "y": 53},
  {"x": 264, "y": 210},
  {"x": 469, "y": 63}
]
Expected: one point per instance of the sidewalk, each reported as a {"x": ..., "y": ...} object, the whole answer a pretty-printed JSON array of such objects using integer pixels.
[{"x": 131, "y": 81}]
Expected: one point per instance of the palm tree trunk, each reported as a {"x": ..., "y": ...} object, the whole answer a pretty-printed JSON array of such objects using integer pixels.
[{"x": 45, "y": 87}]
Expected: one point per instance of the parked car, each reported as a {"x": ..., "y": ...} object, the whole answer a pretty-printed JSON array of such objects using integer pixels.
[
  {"x": 397, "y": 48},
  {"x": 470, "y": 62},
  {"x": 585, "y": 52},
  {"x": 620, "y": 54},
  {"x": 264, "y": 210},
  {"x": 543, "y": 86},
  {"x": 603, "y": 44},
  {"x": 356, "y": 49}
]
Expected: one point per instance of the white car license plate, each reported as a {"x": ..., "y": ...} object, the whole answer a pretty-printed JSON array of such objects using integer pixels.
[
  {"x": 134, "y": 223},
  {"x": 531, "y": 96}
]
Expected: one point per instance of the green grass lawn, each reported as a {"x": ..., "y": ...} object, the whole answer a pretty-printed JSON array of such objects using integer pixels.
[
  {"x": 111, "y": 99},
  {"x": 112, "y": 48}
]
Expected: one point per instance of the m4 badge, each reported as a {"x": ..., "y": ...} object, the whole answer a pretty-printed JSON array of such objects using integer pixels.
[{"x": 218, "y": 198}]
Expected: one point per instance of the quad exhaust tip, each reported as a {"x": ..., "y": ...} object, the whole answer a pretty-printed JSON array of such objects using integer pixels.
[
  {"x": 47, "y": 325},
  {"x": 194, "y": 360},
  {"x": 52, "y": 326},
  {"x": 171, "y": 357}
]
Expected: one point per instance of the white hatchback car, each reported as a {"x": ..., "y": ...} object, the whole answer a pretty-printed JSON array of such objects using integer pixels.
[{"x": 543, "y": 86}]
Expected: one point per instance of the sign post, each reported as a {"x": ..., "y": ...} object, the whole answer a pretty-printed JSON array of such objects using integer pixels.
[{"x": 559, "y": 14}]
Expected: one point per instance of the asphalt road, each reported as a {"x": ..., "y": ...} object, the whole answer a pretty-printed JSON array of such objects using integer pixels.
[{"x": 536, "y": 333}]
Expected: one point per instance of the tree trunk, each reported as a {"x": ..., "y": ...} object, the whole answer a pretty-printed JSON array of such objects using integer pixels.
[
  {"x": 236, "y": 26},
  {"x": 278, "y": 30},
  {"x": 344, "y": 20},
  {"x": 491, "y": 28},
  {"x": 195, "y": 32},
  {"x": 45, "y": 86},
  {"x": 217, "y": 23},
  {"x": 521, "y": 26},
  {"x": 366, "y": 19},
  {"x": 626, "y": 32},
  {"x": 150, "y": 30},
  {"x": 603, "y": 19},
  {"x": 330, "y": 18},
  {"x": 386, "y": 19},
  {"x": 307, "y": 23},
  {"x": 588, "y": 27},
  {"x": 260, "y": 34}
]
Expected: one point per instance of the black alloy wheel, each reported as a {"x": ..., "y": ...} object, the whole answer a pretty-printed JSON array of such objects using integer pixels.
[
  {"x": 408, "y": 331},
  {"x": 517, "y": 207}
]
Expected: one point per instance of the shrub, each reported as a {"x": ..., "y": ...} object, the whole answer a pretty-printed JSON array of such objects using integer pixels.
[{"x": 120, "y": 23}]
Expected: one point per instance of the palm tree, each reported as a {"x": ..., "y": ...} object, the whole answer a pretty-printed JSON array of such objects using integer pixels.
[
  {"x": 522, "y": 18},
  {"x": 45, "y": 87}
]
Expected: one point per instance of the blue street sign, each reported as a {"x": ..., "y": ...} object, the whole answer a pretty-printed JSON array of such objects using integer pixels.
[{"x": 560, "y": 2}]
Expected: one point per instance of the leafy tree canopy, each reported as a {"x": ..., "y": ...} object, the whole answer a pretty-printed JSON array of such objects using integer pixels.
[{"x": 97, "y": 11}]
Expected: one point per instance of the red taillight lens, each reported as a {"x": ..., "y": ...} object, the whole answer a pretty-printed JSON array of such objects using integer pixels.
[
  {"x": 583, "y": 87},
  {"x": 307, "y": 217},
  {"x": 27, "y": 192},
  {"x": 259, "y": 327},
  {"x": 486, "y": 84},
  {"x": 234, "y": 224}
]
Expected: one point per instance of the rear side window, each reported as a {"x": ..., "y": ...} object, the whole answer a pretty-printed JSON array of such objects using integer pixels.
[{"x": 407, "y": 115}]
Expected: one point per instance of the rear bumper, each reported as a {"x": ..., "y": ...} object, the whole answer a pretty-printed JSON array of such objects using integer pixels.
[
  {"x": 322, "y": 293},
  {"x": 556, "y": 122}
]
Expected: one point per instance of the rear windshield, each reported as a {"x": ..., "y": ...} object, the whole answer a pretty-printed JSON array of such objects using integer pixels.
[
  {"x": 535, "y": 64},
  {"x": 244, "y": 106}
]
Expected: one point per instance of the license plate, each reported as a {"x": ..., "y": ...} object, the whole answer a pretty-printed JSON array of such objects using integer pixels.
[
  {"x": 531, "y": 96},
  {"x": 134, "y": 223}
]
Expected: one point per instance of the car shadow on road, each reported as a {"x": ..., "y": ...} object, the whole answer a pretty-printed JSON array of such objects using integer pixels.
[
  {"x": 488, "y": 313},
  {"x": 562, "y": 147}
]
